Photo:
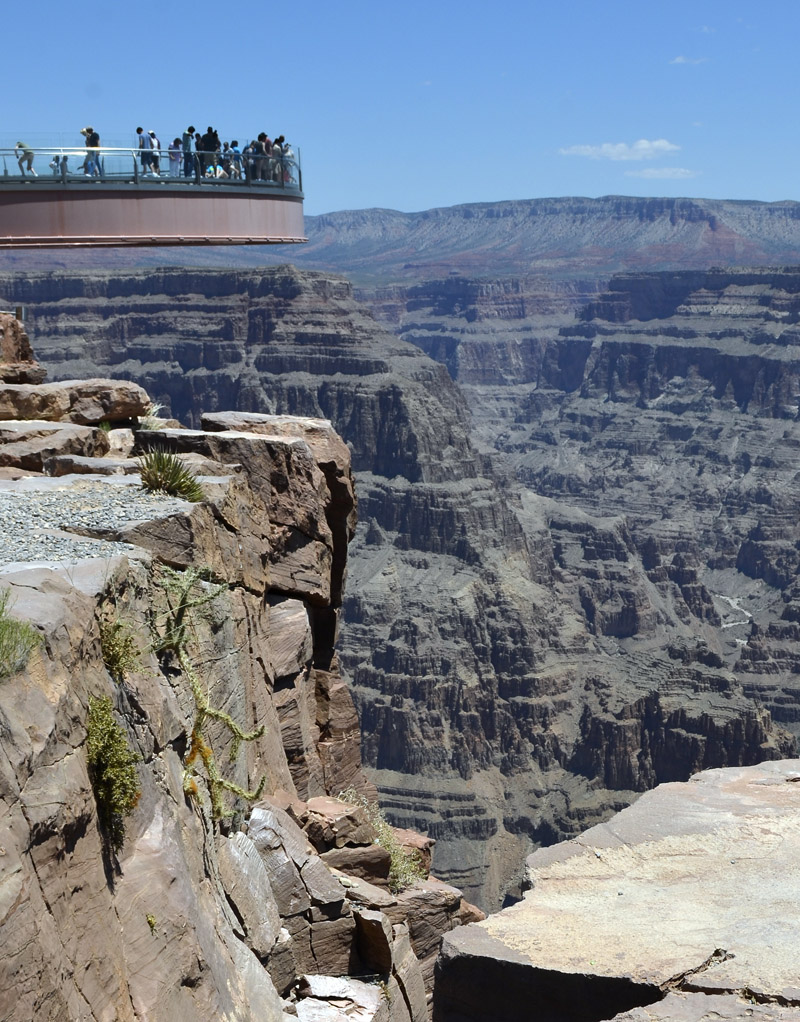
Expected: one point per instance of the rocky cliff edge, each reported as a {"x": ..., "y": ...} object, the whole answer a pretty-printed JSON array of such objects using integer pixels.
[
  {"x": 682, "y": 907},
  {"x": 174, "y": 722}
]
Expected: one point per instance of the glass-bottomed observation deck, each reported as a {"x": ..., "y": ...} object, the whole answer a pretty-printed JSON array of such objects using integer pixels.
[{"x": 106, "y": 196}]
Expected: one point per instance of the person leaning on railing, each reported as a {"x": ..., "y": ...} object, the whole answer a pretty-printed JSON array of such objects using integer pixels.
[{"x": 24, "y": 154}]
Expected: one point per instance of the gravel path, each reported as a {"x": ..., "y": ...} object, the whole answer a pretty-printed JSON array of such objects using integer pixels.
[{"x": 30, "y": 511}]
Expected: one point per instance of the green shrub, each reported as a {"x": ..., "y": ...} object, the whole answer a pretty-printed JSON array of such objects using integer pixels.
[
  {"x": 18, "y": 639},
  {"x": 405, "y": 869},
  {"x": 121, "y": 652},
  {"x": 111, "y": 768},
  {"x": 163, "y": 472}
]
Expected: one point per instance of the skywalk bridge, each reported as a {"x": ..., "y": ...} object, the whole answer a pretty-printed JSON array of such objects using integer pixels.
[{"x": 110, "y": 201}]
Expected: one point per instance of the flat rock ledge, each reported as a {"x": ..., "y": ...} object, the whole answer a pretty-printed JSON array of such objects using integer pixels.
[{"x": 682, "y": 907}]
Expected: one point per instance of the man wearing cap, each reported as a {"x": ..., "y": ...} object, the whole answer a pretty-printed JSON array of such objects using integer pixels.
[{"x": 24, "y": 154}]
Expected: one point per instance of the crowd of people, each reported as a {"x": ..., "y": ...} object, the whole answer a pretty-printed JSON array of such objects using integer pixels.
[
  {"x": 189, "y": 155},
  {"x": 192, "y": 154}
]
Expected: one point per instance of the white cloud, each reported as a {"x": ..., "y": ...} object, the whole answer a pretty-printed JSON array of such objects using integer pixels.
[
  {"x": 665, "y": 173},
  {"x": 641, "y": 150},
  {"x": 688, "y": 60}
]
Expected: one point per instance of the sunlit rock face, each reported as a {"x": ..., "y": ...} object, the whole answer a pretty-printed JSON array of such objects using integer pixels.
[
  {"x": 676, "y": 909},
  {"x": 575, "y": 551}
]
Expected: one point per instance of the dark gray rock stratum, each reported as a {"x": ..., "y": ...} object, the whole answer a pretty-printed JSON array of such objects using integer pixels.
[{"x": 545, "y": 606}]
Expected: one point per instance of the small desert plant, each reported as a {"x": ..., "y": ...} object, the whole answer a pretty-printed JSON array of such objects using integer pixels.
[
  {"x": 152, "y": 419},
  {"x": 111, "y": 768},
  {"x": 163, "y": 472},
  {"x": 105, "y": 426},
  {"x": 405, "y": 869},
  {"x": 186, "y": 593},
  {"x": 121, "y": 652},
  {"x": 17, "y": 639}
]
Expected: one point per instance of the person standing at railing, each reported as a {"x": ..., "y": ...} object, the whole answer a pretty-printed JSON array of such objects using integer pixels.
[
  {"x": 210, "y": 148},
  {"x": 156, "y": 157},
  {"x": 91, "y": 165},
  {"x": 175, "y": 151},
  {"x": 24, "y": 154},
  {"x": 236, "y": 160},
  {"x": 186, "y": 141},
  {"x": 145, "y": 150}
]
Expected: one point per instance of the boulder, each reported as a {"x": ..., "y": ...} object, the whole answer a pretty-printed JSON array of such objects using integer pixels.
[
  {"x": 340, "y": 999},
  {"x": 29, "y": 445},
  {"x": 17, "y": 364},
  {"x": 370, "y": 862},
  {"x": 409, "y": 975},
  {"x": 430, "y": 908},
  {"x": 86, "y": 402},
  {"x": 418, "y": 845},
  {"x": 22, "y": 372},
  {"x": 361, "y": 892},
  {"x": 331, "y": 823}
]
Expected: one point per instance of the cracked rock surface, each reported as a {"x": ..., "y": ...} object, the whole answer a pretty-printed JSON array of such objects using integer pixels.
[{"x": 682, "y": 902}]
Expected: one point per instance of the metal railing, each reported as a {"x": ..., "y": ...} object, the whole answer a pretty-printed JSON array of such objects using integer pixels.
[{"x": 38, "y": 166}]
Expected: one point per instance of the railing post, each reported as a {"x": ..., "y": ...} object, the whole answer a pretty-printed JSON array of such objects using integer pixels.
[
  {"x": 135, "y": 169},
  {"x": 63, "y": 165},
  {"x": 198, "y": 169}
]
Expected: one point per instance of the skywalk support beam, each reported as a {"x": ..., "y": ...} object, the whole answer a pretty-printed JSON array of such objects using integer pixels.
[{"x": 105, "y": 214}]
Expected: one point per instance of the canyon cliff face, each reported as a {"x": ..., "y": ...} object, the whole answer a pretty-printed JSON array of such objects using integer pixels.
[
  {"x": 174, "y": 720},
  {"x": 533, "y": 636}
]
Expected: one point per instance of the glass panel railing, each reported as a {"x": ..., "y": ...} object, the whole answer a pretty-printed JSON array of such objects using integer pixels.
[{"x": 77, "y": 165}]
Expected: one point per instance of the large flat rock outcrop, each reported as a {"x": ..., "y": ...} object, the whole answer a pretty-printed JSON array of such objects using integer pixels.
[{"x": 689, "y": 893}]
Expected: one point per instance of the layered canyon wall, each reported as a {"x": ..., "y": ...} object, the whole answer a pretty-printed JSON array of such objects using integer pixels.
[{"x": 534, "y": 627}]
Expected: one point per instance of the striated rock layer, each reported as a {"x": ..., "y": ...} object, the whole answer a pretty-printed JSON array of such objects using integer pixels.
[
  {"x": 681, "y": 903},
  {"x": 526, "y": 655}
]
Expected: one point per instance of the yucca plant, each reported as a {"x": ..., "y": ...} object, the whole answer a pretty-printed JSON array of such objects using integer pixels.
[{"x": 163, "y": 472}]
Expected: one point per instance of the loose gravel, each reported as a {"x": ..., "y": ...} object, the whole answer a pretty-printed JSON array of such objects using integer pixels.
[{"x": 37, "y": 515}]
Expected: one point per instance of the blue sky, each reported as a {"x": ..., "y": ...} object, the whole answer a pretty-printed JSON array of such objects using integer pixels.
[{"x": 415, "y": 105}]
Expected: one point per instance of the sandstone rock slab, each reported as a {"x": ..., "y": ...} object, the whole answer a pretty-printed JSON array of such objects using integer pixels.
[
  {"x": 370, "y": 862},
  {"x": 246, "y": 883},
  {"x": 85, "y": 402},
  {"x": 30, "y": 444},
  {"x": 687, "y": 889}
]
